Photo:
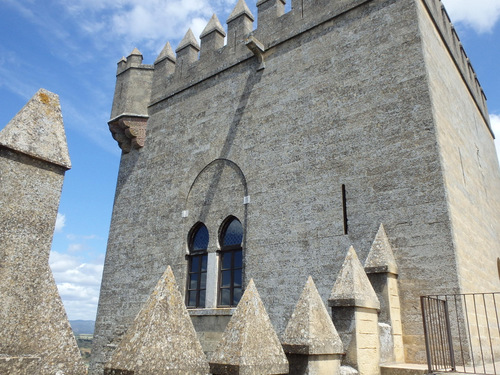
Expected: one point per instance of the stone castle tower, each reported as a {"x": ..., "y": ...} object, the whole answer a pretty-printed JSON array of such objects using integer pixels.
[{"x": 267, "y": 156}]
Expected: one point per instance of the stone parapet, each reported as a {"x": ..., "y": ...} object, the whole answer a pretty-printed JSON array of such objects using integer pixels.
[
  {"x": 382, "y": 270},
  {"x": 311, "y": 341},
  {"x": 161, "y": 339},
  {"x": 457, "y": 52},
  {"x": 249, "y": 345},
  {"x": 355, "y": 313},
  {"x": 21, "y": 365}
]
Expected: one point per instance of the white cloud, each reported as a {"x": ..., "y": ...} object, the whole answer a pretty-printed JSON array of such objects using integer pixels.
[
  {"x": 60, "y": 222},
  {"x": 78, "y": 284},
  {"x": 481, "y": 15},
  {"x": 495, "y": 126},
  {"x": 76, "y": 247},
  {"x": 145, "y": 24}
]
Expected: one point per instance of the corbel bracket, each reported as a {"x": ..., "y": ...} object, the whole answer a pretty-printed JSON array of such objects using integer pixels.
[
  {"x": 258, "y": 50},
  {"x": 129, "y": 131}
]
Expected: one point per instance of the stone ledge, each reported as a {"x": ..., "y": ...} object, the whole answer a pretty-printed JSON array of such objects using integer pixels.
[
  {"x": 404, "y": 369},
  {"x": 215, "y": 312}
]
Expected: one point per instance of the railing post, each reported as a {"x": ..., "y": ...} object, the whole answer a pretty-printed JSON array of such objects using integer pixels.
[
  {"x": 450, "y": 342},
  {"x": 426, "y": 334}
]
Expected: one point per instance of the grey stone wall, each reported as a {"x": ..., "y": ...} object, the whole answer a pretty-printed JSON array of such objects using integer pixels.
[
  {"x": 471, "y": 173},
  {"x": 344, "y": 99}
]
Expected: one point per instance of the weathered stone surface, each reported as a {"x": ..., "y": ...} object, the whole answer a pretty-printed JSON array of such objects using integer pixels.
[
  {"x": 310, "y": 329},
  {"x": 22, "y": 365},
  {"x": 311, "y": 341},
  {"x": 381, "y": 258},
  {"x": 162, "y": 339},
  {"x": 33, "y": 322},
  {"x": 166, "y": 52},
  {"x": 352, "y": 287},
  {"x": 381, "y": 269},
  {"x": 213, "y": 25},
  {"x": 188, "y": 40},
  {"x": 360, "y": 336},
  {"x": 249, "y": 344},
  {"x": 241, "y": 8},
  {"x": 354, "y": 311},
  {"x": 358, "y": 93},
  {"x": 37, "y": 130}
]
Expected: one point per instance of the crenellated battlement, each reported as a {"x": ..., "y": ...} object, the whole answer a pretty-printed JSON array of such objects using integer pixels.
[
  {"x": 193, "y": 63},
  {"x": 197, "y": 63},
  {"x": 450, "y": 37},
  {"x": 134, "y": 60}
]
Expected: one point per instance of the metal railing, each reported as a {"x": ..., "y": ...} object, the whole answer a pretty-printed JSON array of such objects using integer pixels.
[{"x": 462, "y": 332}]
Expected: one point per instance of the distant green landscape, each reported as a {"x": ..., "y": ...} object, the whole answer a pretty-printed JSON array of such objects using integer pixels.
[
  {"x": 84, "y": 333},
  {"x": 84, "y": 342}
]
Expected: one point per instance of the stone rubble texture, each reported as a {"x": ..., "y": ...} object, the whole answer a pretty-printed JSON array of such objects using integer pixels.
[
  {"x": 249, "y": 344},
  {"x": 376, "y": 96},
  {"x": 162, "y": 339},
  {"x": 37, "y": 130},
  {"x": 34, "y": 329}
]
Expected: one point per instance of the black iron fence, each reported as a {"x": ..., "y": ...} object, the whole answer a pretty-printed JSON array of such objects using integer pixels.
[{"x": 462, "y": 332}]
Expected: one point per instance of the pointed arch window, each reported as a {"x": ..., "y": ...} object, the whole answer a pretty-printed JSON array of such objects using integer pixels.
[
  {"x": 231, "y": 262},
  {"x": 197, "y": 266}
]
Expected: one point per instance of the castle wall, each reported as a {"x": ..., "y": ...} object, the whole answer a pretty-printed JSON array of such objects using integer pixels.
[
  {"x": 470, "y": 166},
  {"x": 472, "y": 180},
  {"x": 343, "y": 101}
]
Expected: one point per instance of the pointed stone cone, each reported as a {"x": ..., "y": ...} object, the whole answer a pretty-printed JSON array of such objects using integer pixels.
[
  {"x": 36, "y": 337},
  {"x": 240, "y": 9},
  {"x": 164, "y": 67},
  {"x": 37, "y": 130},
  {"x": 381, "y": 258},
  {"x": 354, "y": 311},
  {"x": 166, "y": 53},
  {"x": 135, "y": 52},
  {"x": 213, "y": 25},
  {"x": 162, "y": 339},
  {"x": 212, "y": 37},
  {"x": 135, "y": 58},
  {"x": 382, "y": 271},
  {"x": 352, "y": 287},
  {"x": 239, "y": 24},
  {"x": 249, "y": 344},
  {"x": 310, "y": 340},
  {"x": 188, "y": 40},
  {"x": 310, "y": 329},
  {"x": 187, "y": 51}
]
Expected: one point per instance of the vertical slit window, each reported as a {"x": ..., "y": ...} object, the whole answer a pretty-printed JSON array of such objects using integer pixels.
[{"x": 344, "y": 209}]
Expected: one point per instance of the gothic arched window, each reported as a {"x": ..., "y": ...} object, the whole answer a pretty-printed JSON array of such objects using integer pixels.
[
  {"x": 197, "y": 266},
  {"x": 231, "y": 262}
]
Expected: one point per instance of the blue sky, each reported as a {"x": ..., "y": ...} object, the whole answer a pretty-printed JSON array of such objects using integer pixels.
[{"x": 71, "y": 47}]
